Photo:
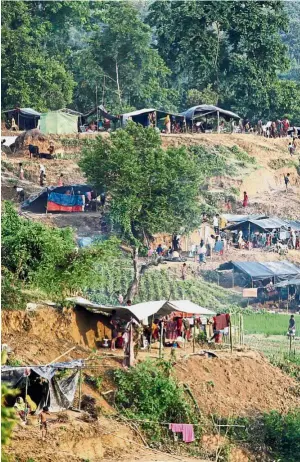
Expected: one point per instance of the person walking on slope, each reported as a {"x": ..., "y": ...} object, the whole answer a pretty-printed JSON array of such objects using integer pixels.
[
  {"x": 245, "y": 200},
  {"x": 286, "y": 181}
]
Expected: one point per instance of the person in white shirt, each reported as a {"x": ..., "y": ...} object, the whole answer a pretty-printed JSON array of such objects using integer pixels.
[
  {"x": 216, "y": 223},
  {"x": 20, "y": 193},
  {"x": 202, "y": 252}
]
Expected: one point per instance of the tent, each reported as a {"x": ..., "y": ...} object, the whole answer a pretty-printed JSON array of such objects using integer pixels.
[
  {"x": 143, "y": 310},
  {"x": 26, "y": 118},
  {"x": 232, "y": 218},
  {"x": 275, "y": 270},
  {"x": 44, "y": 387},
  {"x": 204, "y": 110},
  {"x": 38, "y": 203},
  {"x": 58, "y": 123},
  {"x": 264, "y": 224},
  {"x": 141, "y": 116}
]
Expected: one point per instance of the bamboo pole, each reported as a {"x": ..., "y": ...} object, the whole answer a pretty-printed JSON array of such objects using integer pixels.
[
  {"x": 161, "y": 341},
  {"x": 230, "y": 333},
  {"x": 80, "y": 389}
]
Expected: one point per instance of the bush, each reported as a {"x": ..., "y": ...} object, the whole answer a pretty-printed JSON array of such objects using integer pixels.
[{"x": 147, "y": 392}]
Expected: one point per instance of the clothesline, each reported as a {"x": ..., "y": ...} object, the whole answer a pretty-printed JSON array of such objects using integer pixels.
[{"x": 168, "y": 423}]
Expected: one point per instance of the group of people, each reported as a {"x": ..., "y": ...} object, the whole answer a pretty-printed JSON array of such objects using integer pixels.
[
  {"x": 276, "y": 129},
  {"x": 289, "y": 238}
]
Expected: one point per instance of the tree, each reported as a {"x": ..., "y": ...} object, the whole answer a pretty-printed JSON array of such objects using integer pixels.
[
  {"x": 196, "y": 97},
  {"x": 8, "y": 415},
  {"x": 234, "y": 46},
  {"x": 119, "y": 60},
  {"x": 47, "y": 258},
  {"x": 31, "y": 74},
  {"x": 150, "y": 190}
]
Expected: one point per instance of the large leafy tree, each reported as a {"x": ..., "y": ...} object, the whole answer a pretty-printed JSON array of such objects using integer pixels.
[
  {"x": 46, "y": 258},
  {"x": 33, "y": 73},
  {"x": 151, "y": 190},
  {"x": 119, "y": 60},
  {"x": 235, "y": 46}
]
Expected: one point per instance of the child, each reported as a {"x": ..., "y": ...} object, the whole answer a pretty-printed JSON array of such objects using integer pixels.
[
  {"x": 286, "y": 181},
  {"x": 21, "y": 174},
  {"x": 43, "y": 421},
  {"x": 291, "y": 148},
  {"x": 183, "y": 271}
]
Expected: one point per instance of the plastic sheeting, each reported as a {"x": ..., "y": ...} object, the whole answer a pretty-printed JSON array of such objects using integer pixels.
[
  {"x": 65, "y": 199},
  {"x": 60, "y": 391},
  {"x": 266, "y": 224},
  {"x": 277, "y": 270},
  {"x": 207, "y": 108},
  {"x": 58, "y": 123},
  {"x": 142, "y": 311}
]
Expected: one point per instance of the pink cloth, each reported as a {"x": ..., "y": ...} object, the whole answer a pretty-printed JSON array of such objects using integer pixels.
[{"x": 187, "y": 431}]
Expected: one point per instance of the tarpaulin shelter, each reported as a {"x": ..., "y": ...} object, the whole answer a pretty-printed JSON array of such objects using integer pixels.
[
  {"x": 264, "y": 224},
  {"x": 204, "y": 110},
  {"x": 100, "y": 110},
  {"x": 275, "y": 271},
  {"x": 58, "y": 123},
  {"x": 141, "y": 116},
  {"x": 26, "y": 118},
  {"x": 57, "y": 393},
  {"x": 141, "y": 311},
  {"x": 38, "y": 203},
  {"x": 233, "y": 218}
]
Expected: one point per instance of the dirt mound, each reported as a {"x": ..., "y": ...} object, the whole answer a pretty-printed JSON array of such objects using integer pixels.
[
  {"x": 242, "y": 384},
  {"x": 48, "y": 332}
]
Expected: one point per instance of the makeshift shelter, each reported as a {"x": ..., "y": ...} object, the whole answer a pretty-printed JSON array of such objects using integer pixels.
[
  {"x": 141, "y": 116},
  {"x": 263, "y": 225},
  {"x": 275, "y": 271},
  {"x": 58, "y": 123},
  {"x": 207, "y": 110},
  {"x": 144, "y": 310},
  {"x": 232, "y": 218},
  {"x": 55, "y": 199},
  {"x": 26, "y": 118},
  {"x": 43, "y": 384}
]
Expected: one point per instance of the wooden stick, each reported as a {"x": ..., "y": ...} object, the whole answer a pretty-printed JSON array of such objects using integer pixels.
[{"x": 58, "y": 357}]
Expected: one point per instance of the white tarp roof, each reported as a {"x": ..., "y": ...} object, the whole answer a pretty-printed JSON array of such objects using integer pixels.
[{"x": 143, "y": 310}]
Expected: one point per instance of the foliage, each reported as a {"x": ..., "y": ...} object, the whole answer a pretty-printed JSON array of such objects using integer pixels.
[
  {"x": 8, "y": 415},
  {"x": 196, "y": 97},
  {"x": 47, "y": 258},
  {"x": 152, "y": 190},
  {"x": 275, "y": 433},
  {"x": 95, "y": 381},
  {"x": 159, "y": 285},
  {"x": 289, "y": 364},
  {"x": 147, "y": 392},
  {"x": 12, "y": 295},
  {"x": 223, "y": 44},
  {"x": 31, "y": 74}
]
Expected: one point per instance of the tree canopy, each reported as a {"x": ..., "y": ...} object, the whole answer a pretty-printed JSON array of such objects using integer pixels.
[{"x": 133, "y": 54}]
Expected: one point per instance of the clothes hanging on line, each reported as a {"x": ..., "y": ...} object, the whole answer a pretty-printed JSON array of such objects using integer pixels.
[{"x": 187, "y": 431}]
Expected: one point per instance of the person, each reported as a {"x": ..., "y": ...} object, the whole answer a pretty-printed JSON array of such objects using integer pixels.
[
  {"x": 42, "y": 169},
  {"x": 159, "y": 250},
  {"x": 294, "y": 144},
  {"x": 129, "y": 303},
  {"x": 121, "y": 299},
  {"x": 183, "y": 271},
  {"x": 115, "y": 329},
  {"x": 286, "y": 181},
  {"x": 228, "y": 205},
  {"x": 60, "y": 180},
  {"x": 42, "y": 178},
  {"x": 202, "y": 252},
  {"x": 20, "y": 193},
  {"x": 245, "y": 200},
  {"x": 43, "y": 421},
  {"x": 240, "y": 239},
  {"x": 21, "y": 174},
  {"x": 291, "y": 148},
  {"x": 259, "y": 127},
  {"x": 51, "y": 148},
  {"x": 20, "y": 407},
  {"x": 167, "y": 123},
  {"x": 102, "y": 198},
  {"x": 216, "y": 223},
  {"x": 293, "y": 237},
  {"x": 14, "y": 126},
  {"x": 285, "y": 126},
  {"x": 219, "y": 246},
  {"x": 292, "y": 325}
]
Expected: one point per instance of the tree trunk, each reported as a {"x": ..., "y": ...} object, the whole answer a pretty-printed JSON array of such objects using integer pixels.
[
  {"x": 118, "y": 83},
  {"x": 134, "y": 286}
]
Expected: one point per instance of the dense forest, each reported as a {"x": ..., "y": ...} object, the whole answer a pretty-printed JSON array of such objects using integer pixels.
[{"x": 241, "y": 55}]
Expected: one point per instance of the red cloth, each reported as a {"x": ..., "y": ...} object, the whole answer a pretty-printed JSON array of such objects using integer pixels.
[
  {"x": 220, "y": 321},
  {"x": 53, "y": 207},
  {"x": 187, "y": 431},
  {"x": 245, "y": 201},
  {"x": 179, "y": 326}
]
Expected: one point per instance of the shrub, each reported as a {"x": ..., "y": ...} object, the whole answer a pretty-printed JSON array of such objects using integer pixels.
[{"x": 148, "y": 392}]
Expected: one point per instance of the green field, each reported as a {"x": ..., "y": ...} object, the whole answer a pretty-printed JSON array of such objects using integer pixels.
[{"x": 268, "y": 324}]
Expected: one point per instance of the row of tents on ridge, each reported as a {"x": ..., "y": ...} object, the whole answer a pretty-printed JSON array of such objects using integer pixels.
[{"x": 67, "y": 121}]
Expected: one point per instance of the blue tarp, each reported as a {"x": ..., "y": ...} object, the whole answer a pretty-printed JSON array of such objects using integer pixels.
[
  {"x": 278, "y": 270},
  {"x": 64, "y": 199},
  {"x": 266, "y": 224}
]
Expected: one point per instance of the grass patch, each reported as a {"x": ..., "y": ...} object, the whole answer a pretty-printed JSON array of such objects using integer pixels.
[
  {"x": 267, "y": 323},
  {"x": 276, "y": 164}
]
